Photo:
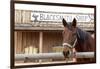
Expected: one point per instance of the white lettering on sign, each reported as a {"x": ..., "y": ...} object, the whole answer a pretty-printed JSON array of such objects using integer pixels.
[{"x": 40, "y": 16}]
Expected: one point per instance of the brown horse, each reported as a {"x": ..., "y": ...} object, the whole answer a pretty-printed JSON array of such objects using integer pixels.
[{"x": 76, "y": 38}]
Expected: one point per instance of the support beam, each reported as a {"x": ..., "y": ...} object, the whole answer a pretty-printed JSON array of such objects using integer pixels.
[
  {"x": 40, "y": 41},
  {"x": 19, "y": 57}
]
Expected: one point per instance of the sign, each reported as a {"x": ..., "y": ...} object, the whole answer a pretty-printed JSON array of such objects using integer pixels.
[{"x": 44, "y": 16}]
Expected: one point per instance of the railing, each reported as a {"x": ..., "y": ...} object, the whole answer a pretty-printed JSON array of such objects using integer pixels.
[{"x": 51, "y": 56}]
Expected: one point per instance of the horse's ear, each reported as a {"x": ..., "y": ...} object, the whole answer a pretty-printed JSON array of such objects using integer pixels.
[
  {"x": 74, "y": 22},
  {"x": 64, "y": 22}
]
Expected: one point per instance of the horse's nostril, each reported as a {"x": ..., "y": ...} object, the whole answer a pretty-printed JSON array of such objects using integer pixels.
[{"x": 66, "y": 53}]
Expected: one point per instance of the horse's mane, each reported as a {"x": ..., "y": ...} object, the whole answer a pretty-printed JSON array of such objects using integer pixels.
[{"x": 82, "y": 35}]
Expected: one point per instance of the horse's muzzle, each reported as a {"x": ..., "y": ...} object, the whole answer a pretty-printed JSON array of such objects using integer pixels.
[{"x": 67, "y": 53}]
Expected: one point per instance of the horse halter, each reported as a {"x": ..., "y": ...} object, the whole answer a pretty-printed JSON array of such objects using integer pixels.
[
  {"x": 72, "y": 46},
  {"x": 69, "y": 45}
]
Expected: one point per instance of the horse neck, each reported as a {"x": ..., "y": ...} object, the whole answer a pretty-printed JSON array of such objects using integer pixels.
[{"x": 82, "y": 36}]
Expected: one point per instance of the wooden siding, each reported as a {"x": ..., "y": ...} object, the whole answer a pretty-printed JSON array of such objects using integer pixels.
[
  {"x": 22, "y": 16},
  {"x": 18, "y": 16},
  {"x": 26, "y": 42},
  {"x": 51, "y": 39},
  {"x": 18, "y": 42}
]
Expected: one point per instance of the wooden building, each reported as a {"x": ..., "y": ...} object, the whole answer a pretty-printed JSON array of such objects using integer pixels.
[
  {"x": 39, "y": 37},
  {"x": 34, "y": 35}
]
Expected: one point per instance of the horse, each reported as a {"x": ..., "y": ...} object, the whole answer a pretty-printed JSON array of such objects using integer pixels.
[{"x": 78, "y": 40}]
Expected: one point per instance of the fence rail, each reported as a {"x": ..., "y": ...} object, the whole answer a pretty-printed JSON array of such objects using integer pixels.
[{"x": 19, "y": 57}]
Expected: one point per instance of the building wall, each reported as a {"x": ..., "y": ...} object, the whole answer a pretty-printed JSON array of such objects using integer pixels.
[
  {"x": 22, "y": 16},
  {"x": 24, "y": 41},
  {"x": 51, "y": 39}
]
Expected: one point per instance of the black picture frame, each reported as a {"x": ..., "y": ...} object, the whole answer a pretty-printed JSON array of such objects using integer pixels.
[{"x": 12, "y": 11}]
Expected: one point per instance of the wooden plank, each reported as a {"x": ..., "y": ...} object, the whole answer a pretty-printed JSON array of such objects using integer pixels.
[
  {"x": 19, "y": 42},
  {"x": 18, "y": 16},
  {"x": 50, "y": 40},
  {"x": 26, "y": 16},
  {"x": 15, "y": 42},
  {"x": 30, "y": 27},
  {"x": 29, "y": 42},
  {"x": 25, "y": 43},
  {"x": 40, "y": 41}
]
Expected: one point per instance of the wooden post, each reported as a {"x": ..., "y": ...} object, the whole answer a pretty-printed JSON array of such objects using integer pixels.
[
  {"x": 40, "y": 43},
  {"x": 15, "y": 35}
]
